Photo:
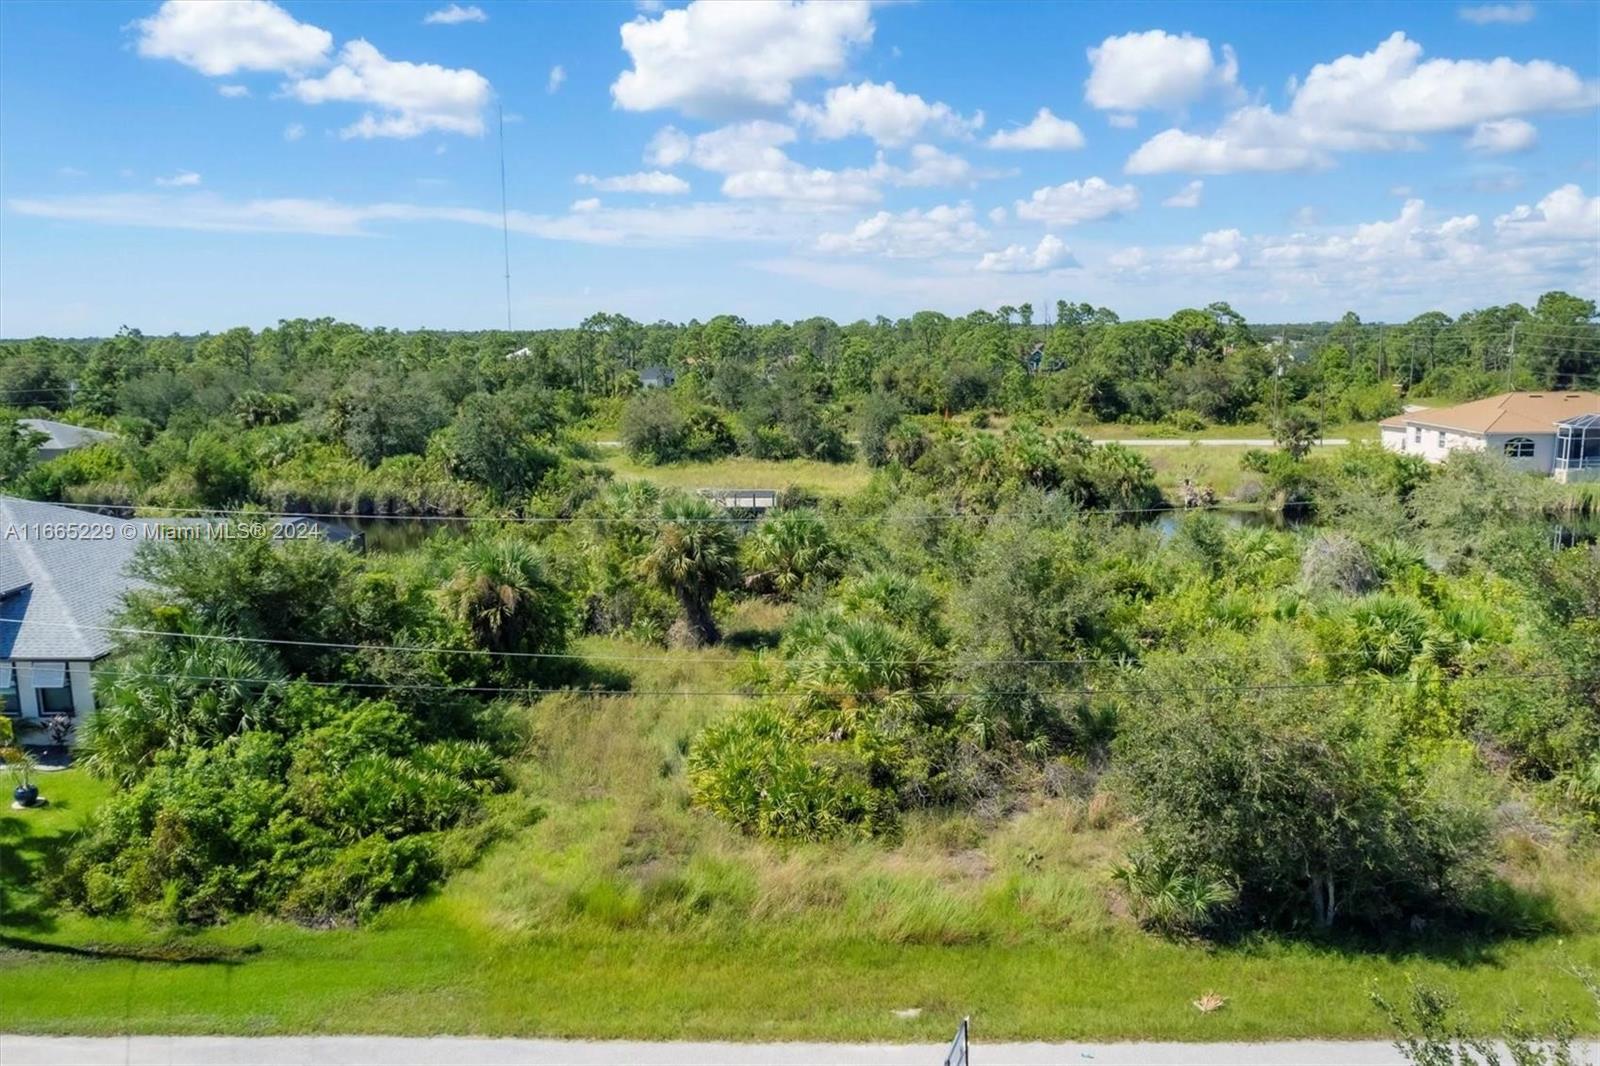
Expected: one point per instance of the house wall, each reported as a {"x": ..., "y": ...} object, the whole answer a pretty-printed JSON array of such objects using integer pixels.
[
  {"x": 1434, "y": 449},
  {"x": 1544, "y": 450},
  {"x": 82, "y": 689},
  {"x": 1431, "y": 448}
]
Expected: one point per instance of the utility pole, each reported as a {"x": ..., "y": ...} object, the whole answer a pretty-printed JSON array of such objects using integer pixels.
[
  {"x": 505, "y": 226},
  {"x": 1380, "y": 351},
  {"x": 1511, "y": 355}
]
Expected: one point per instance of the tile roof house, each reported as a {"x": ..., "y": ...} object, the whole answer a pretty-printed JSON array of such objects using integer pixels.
[
  {"x": 62, "y": 437},
  {"x": 1555, "y": 432}
]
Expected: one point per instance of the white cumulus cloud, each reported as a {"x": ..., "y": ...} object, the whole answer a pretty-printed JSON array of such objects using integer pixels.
[
  {"x": 754, "y": 165},
  {"x": 411, "y": 98},
  {"x": 1251, "y": 138},
  {"x": 657, "y": 182},
  {"x": 1567, "y": 214},
  {"x": 1073, "y": 202},
  {"x": 714, "y": 60},
  {"x": 1049, "y": 253},
  {"x": 1391, "y": 90},
  {"x": 1045, "y": 132},
  {"x": 1487, "y": 14},
  {"x": 1503, "y": 136},
  {"x": 455, "y": 14},
  {"x": 1156, "y": 69},
  {"x": 1188, "y": 196},
  {"x": 930, "y": 166},
  {"x": 223, "y": 38},
  {"x": 181, "y": 180},
  {"x": 293, "y": 131},
  {"x": 913, "y": 234},
  {"x": 1378, "y": 101},
  {"x": 558, "y": 76},
  {"x": 882, "y": 113}
]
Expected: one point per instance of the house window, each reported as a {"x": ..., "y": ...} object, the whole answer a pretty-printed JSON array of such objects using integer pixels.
[
  {"x": 53, "y": 681},
  {"x": 1441, "y": 438},
  {"x": 1416, "y": 434},
  {"x": 8, "y": 690},
  {"x": 1519, "y": 448}
]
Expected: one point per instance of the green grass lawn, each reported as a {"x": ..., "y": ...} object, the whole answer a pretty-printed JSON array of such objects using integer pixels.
[
  {"x": 736, "y": 472},
  {"x": 1165, "y": 431},
  {"x": 1214, "y": 465},
  {"x": 623, "y": 912}
]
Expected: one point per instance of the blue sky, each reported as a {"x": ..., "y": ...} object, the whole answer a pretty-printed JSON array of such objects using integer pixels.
[{"x": 198, "y": 166}]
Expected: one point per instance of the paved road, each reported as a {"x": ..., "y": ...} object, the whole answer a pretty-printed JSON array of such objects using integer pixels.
[{"x": 460, "y": 1051}]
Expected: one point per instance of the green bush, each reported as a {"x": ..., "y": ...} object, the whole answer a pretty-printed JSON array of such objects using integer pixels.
[
  {"x": 355, "y": 881},
  {"x": 1279, "y": 810},
  {"x": 757, "y": 771}
]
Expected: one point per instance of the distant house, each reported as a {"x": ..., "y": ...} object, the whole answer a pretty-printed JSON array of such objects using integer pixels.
[
  {"x": 656, "y": 377},
  {"x": 520, "y": 353},
  {"x": 63, "y": 575},
  {"x": 63, "y": 438},
  {"x": 1556, "y": 433}
]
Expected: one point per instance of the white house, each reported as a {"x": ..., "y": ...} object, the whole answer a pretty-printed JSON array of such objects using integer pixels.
[{"x": 1556, "y": 433}]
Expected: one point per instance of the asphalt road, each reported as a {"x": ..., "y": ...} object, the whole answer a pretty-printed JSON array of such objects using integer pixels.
[{"x": 461, "y": 1051}]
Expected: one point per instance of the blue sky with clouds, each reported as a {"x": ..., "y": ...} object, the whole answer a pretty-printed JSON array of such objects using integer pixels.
[{"x": 194, "y": 166}]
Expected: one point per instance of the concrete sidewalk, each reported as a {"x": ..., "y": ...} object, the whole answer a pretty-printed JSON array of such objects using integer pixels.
[{"x": 465, "y": 1051}]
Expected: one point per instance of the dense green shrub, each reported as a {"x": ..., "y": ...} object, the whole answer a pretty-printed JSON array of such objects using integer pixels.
[
  {"x": 657, "y": 428},
  {"x": 760, "y": 772},
  {"x": 322, "y": 811},
  {"x": 1278, "y": 810}
]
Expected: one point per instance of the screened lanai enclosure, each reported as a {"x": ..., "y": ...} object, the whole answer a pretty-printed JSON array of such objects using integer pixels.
[{"x": 1578, "y": 448}]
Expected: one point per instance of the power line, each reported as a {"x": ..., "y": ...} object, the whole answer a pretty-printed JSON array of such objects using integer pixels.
[
  {"x": 583, "y": 656},
  {"x": 1086, "y": 690},
  {"x": 646, "y": 520}
]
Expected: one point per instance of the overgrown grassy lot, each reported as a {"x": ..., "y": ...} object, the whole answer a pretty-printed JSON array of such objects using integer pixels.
[
  {"x": 831, "y": 479},
  {"x": 1214, "y": 465},
  {"x": 618, "y": 911}
]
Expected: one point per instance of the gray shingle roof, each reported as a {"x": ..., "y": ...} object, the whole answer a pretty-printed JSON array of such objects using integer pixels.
[
  {"x": 59, "y": 581},
  {"x": 64, "y": 437}
]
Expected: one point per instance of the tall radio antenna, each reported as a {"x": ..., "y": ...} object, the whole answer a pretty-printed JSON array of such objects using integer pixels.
[{"x": 505, "y": 226}]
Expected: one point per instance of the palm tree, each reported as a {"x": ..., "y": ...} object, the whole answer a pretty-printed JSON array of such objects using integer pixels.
[
  {"x": 503, "y": 594},
  {"x": 790, "y": 552},
  {"x": 695, "y": 555}
]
